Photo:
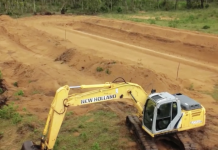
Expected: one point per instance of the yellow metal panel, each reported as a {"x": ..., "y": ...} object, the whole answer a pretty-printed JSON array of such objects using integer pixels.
[
  {"x": 193, "y": 119},
  {"x": 56, "y": 116},
  {"x": 149, "y": 132}
]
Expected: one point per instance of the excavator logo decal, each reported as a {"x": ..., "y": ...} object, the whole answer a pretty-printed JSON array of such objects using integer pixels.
[
  {"x": 96, "y": 99},
  {"x": 196, "y": 122}
]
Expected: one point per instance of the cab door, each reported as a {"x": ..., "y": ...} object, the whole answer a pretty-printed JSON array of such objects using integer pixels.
[
  {"x": 148, "y": 114},
  {"x": 167, "y": 117},
  {"x": 163, "y": 117}
]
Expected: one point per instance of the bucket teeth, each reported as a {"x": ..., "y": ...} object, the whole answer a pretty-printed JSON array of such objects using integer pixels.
[{"x": 28, "y": 145}]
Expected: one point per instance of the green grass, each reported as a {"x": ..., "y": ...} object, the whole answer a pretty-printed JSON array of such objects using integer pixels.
[
  {"x": 108, "y": 71},
  {"x": 96, "y": 130},
  {"x": 15, "y": 84},
  {"x": 0, "y": 74},
  {"x": 1, "y": 90},
  {"x": 36, "y": 92},
  {"x": 99, "y": 69},
  {"x": 191, "y": 87},
  {"x": 1, "y": 134},
  {"x": 9, "y": 113},
  {"x": 15, "y": 128},
  {"x": 213, "y": 93},
  {"x": 19, "y": 93},
  {"x": 21, "y": 132},
  {"x": 205, "y": 20}
]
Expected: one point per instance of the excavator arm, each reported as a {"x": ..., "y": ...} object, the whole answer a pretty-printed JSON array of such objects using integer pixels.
[{"x": 62, "y": 100}]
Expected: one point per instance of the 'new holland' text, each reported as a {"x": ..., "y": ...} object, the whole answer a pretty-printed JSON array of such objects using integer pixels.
[{"x": 96, "y": 99}]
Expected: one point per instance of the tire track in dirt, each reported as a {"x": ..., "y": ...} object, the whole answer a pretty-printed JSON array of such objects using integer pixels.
[
  {"x": 113, "y": 51},
  {"x": 150, "y": 51},
  {"x": 189, "y": 44},
  {"x": 165, "y": 34},
  {"x": 15, "y": 39}
]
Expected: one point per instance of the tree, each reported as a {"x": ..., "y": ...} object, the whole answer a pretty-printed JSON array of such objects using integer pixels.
[{"x": 93, "y": 5}]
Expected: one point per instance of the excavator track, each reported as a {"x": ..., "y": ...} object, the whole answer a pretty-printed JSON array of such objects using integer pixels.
[
  {"x": 186, "y": 140},
  {"x": 146, "y": 142},
  {"x": 180, "y": 139}
]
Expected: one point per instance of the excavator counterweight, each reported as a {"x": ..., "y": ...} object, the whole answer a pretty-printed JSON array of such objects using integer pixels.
[{"x": 161, "y": 116}]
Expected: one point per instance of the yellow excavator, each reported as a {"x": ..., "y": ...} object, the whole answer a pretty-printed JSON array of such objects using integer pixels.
[{"x": 161, "y": 116}]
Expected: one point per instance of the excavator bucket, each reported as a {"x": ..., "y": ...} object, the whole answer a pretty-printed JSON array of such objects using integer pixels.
[{"x": 28, "y": 145}]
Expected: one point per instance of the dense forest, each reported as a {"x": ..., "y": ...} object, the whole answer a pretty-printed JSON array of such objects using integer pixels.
[{"x": 19, "y": 7}]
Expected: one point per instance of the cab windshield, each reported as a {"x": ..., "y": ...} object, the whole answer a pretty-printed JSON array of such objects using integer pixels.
[{"x": 149, "y": 113}]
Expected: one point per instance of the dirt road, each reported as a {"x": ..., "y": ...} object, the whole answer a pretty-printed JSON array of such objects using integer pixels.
[{"x": 43, "y": 53}]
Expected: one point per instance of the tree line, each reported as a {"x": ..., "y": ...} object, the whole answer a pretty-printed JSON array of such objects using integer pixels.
[{"x": 19, "y": 7}]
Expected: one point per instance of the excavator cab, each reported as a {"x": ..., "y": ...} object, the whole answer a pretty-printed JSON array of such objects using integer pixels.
[{"x": 162, "y": 113}]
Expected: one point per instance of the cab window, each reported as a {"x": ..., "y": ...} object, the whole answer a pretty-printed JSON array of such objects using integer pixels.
[
  {"x": 163, "y": 116},
  {"x": 149, "y": 113}
]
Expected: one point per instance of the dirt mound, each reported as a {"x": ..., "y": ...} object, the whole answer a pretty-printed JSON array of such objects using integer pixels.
[
  {"x": 66, "y": 56},
  {"x": 193, "y": 45},
  {"x": 206, "y": 136},
  {"x": 108, "y": 70},
  {"x": 5, "y": 18},
  {"x": 30, "y": 79}
]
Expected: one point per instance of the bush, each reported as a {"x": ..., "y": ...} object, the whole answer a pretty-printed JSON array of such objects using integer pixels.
[
  {"x": 104, "y": 9},
  {"x": 15, "y": 84},
  {"x": 206, "y": 27},
  {"x": 119, "y": 10},
  {"x": 0, "y": 74},
  {"x": 152, "y": 21},
  {"x": 207, "y": 5},
  {"x": 99, "y": 69},
  {"x": 10, "y": 112},
  {"x": 19, "y": 93},
  {"x": 173, "y": 23},
  {"x": 95, "y": 146},
  {"x": 108, "y": 71},
  {"x": 84, "y": 137}
]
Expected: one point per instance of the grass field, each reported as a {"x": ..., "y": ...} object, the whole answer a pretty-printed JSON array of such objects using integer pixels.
[
  {"x": 214, "y": 93},
  {"x": 95, "y": 130},
  {"x": 17, "y": 127},
  {"x": 205, "y": 20}
]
